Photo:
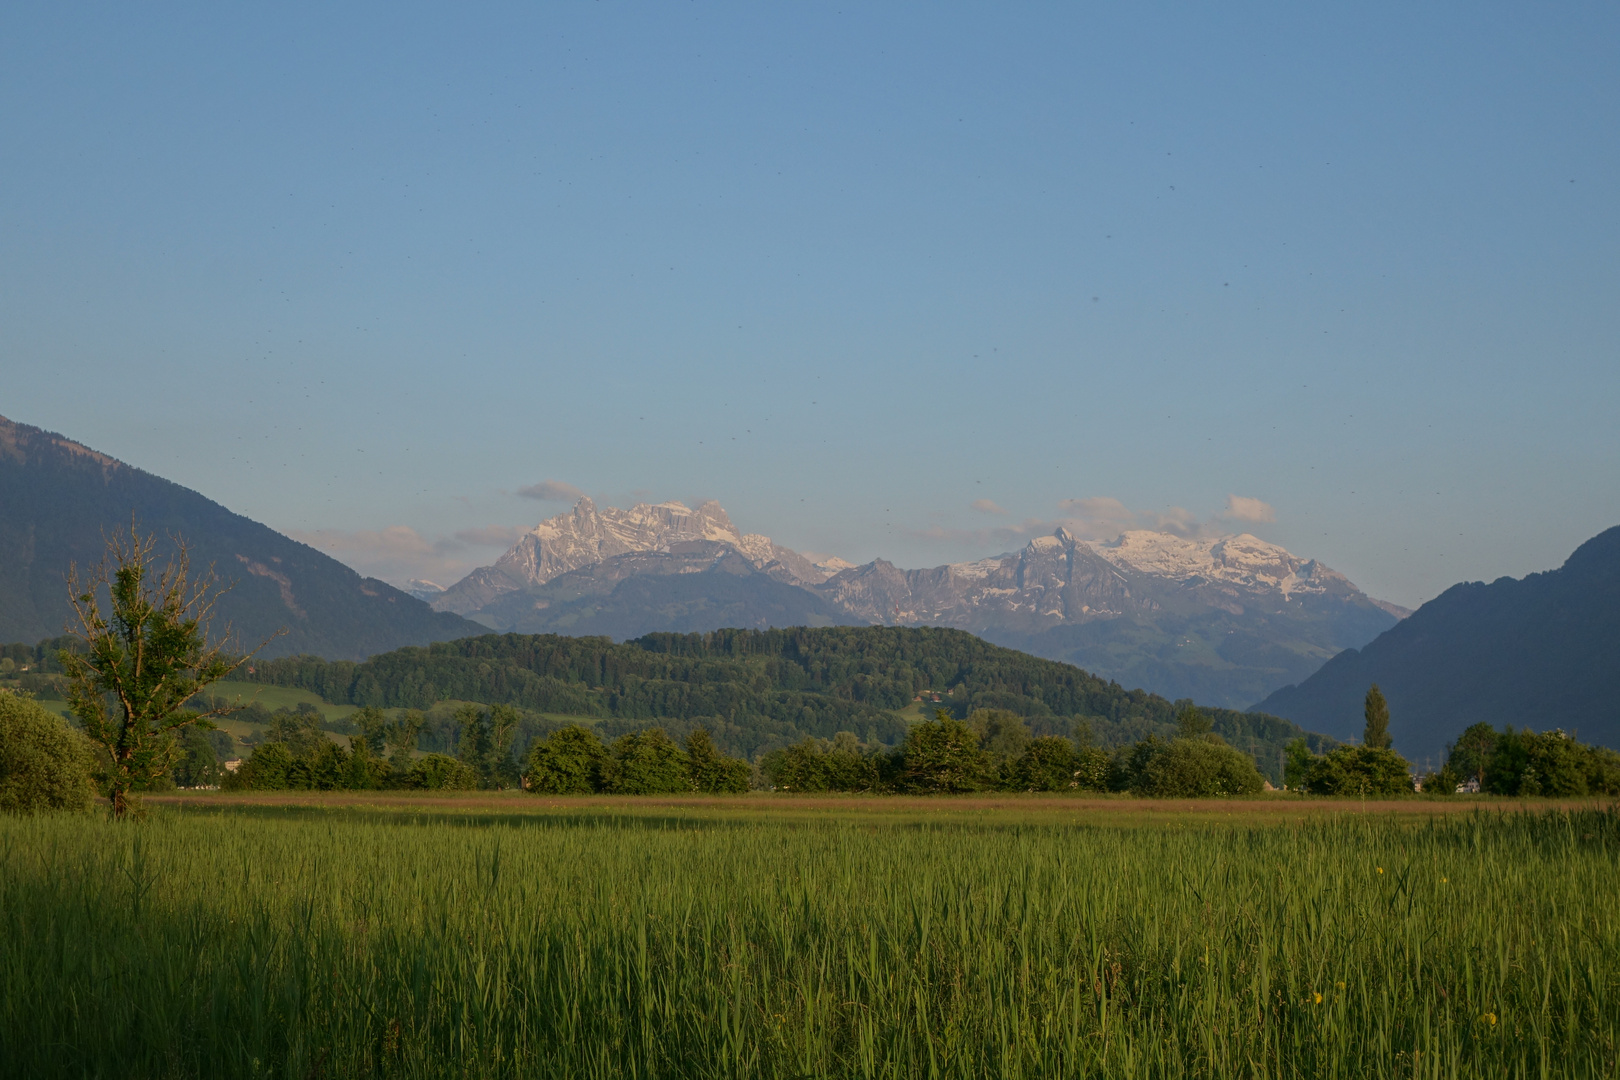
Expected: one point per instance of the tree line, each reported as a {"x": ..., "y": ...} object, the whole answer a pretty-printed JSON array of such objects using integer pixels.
[
  {"x": 757, "y": 691},
  {"x": 995, "y": 750},
  {"x": 1505, "y": 762},
  {"x": 137, "y": 663}
]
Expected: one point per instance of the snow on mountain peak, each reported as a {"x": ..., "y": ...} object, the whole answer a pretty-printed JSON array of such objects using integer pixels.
[{"x": 1240, "y": 559}]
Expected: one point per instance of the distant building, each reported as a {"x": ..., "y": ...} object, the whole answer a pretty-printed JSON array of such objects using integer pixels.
[
  {"x": 233, "y": 764},
  {"x": 1469, "y": 787}
]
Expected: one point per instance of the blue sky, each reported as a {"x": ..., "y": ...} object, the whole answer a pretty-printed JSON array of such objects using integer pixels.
[{"x": 365, "y": 272}]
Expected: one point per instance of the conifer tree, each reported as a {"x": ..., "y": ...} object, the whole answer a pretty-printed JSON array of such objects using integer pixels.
[{"x": 1376, "y": 733}]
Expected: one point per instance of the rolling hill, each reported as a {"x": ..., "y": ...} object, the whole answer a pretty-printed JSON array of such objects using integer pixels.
[{"x": 756, "y": 690}]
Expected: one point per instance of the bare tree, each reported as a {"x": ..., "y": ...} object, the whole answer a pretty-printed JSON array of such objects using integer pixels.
[{"x": 145, "y": 658}]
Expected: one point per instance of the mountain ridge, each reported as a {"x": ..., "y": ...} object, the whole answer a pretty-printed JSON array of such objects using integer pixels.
[
  {"x": 59, "y": 497},
  {"x": 1159, "y": 592},
  {"x": 1539, "y": 651}
]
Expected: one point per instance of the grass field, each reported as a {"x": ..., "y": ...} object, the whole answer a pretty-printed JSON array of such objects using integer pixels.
[{"x": 506, "y": 935}]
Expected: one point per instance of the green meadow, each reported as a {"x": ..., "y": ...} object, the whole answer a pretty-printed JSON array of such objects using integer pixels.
[{"x": 759, "y": 937}]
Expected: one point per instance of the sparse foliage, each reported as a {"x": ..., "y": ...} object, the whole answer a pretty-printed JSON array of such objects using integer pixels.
[{"x": 142, "y": 658}]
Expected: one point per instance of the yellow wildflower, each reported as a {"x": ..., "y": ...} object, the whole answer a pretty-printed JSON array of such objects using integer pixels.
[
  {"x": 1316, "y": 999},
  {"x": 1380, "y": 869},
  {"x": 1488, "y": 1018},
  {"x": 1340, "y": 985}
]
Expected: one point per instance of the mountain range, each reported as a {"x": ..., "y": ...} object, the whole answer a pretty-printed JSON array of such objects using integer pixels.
[
  {"x": 1541, "y": 652},
  {"x": 1224, "y": 620},
  {"x": 59, "y": 498}
]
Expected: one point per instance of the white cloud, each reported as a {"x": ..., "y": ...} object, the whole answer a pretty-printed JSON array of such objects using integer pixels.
[
  {"x": 1242, "y": 508},
  {"x": 501, "y": 536},
  {"x": 395, "y": 554},
  {"x": 1098, "y": 518},
  {"x": 1001, "y": 538},
  {"x": 551, "y": 491},
  {"x": 1104, "y": 518}
]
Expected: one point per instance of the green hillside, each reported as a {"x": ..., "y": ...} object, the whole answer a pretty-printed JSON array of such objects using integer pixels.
[{"x": 757, "y": 690}]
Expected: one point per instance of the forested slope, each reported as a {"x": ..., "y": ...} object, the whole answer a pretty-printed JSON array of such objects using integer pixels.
[{"x": 756, "y": 690}]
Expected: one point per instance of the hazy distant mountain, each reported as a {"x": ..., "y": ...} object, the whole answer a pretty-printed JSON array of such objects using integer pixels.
[
  {"x": 58, "y": 498},
  {"x": 694, "y": 586},
  {"x": 424, "y": 590},
  {"x": 1224, "y": 621},
  {"x": 1541, "y": 652}
]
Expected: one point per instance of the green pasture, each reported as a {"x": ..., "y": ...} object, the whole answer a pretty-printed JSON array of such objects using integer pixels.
[
  {"x": 518, "y": 936},
  {"x": 277, "y": 697}
]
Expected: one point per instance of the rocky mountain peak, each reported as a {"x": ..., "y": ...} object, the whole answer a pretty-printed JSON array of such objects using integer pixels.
[{"x": 586, "y": 535}]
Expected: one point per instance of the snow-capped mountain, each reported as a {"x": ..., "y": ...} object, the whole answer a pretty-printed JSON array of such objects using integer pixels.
[
  {"x": 1226, "y": 620},
  {"x": 586, "y": 536}
]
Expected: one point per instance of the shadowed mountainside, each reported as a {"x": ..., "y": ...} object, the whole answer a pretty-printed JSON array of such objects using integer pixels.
[
  {"x": 59, "y": 498},
  {"x": 1542, "y": 652}
]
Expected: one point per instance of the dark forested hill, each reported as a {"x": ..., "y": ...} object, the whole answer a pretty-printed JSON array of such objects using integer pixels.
[
  {"x": 58, "y": 498},
  {"x": 1542, "y": 652},
  {"x": 759, "y": 689}
]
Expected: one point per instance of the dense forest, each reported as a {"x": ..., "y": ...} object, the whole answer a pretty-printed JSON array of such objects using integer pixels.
[{"x": 756, "y": 691}]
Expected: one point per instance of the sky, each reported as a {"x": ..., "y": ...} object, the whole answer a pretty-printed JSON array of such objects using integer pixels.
[{"x": 910, "y": 281}]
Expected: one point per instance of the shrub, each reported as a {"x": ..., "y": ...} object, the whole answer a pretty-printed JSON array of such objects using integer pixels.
[
  {"x": 567, "y": 762},
  {"x": 1528, "y": 763},
  {"x": 199, "y": 762},
  {"x": 265, "y": 769},
  {"x": 1051, "y": 763},
  {"x": 943, "y": 755},
  {"x": 44, "y": 764},
  {"x": 646, "y": 763},
  {"x": 441, "y": 772},
  {"x": 1443, "y": 782},
  {"x": 818, "y": 765},
  {"x": 1196, "y": 768},
  {"x": 1359, "y": 770},
  {"x": 711, "y": 771}
]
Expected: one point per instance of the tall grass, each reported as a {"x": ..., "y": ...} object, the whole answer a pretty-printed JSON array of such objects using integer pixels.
[{"x": 307, "y": 944}]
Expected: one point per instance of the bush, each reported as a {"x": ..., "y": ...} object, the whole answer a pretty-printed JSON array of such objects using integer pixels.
[
  {"x": 1359, "y": 770},
  {"x": 441, "y": 772},
  {"x": 265, "y": 769},
  {"x": 199, "y": 761},
  {"x": 567, "y": 762},
  {"x": 943, "y": 755},
  {"x": 818, "y": 765},
  {"x": 710, "y": 771},
  {"x": 1444, "y": 782},
  {"x": 44, "y": 764},
  {"x": 1051, "y": 763},
  {"x": 1528, "y": 763},
  {"x": 1196, "y": 768},
  {"x": 645, "y": 763}
]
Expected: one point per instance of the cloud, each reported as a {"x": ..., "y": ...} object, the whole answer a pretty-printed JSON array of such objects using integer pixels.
[
  {"x": 396, "y": 541},
  {"x": 1002, "y": 538},
  {"x": 551, "y": 491},
  {"x": 501, "y": 536},
  {"x": 395, "y": 554},
  {"x": 1098, "y": 518},
  {"x": 1242, "y": 508}
]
